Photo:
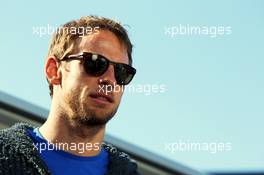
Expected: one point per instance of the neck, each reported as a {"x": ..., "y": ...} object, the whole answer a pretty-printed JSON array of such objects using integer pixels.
[{"x": 60, "y": 129}]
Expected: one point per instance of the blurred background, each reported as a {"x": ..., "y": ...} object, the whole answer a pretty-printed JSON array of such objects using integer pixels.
[{"x": 199, "y": 75}]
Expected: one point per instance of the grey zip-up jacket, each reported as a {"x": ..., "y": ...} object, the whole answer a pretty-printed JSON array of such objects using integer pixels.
[{"x": 19, "y": 156}]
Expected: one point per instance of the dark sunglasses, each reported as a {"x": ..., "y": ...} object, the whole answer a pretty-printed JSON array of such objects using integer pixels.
[{"x": 96, "y": 65}]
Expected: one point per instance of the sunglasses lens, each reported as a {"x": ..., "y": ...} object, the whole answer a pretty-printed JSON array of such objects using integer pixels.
[
  {"x": 96, "y": 65},
  {"x": 124, "y": 74}
]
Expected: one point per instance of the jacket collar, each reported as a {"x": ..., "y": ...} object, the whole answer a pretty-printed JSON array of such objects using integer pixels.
[{"x": 119, "y": 162}]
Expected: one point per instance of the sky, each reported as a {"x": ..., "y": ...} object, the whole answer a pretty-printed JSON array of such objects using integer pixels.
[{"x": 199, "y": 74}]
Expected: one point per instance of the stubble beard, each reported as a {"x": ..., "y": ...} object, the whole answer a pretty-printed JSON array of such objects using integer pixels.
[{"x": 84, "y": 114}]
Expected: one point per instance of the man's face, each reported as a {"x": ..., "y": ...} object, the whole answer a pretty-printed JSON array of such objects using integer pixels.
[{"x": 82, "y": 94}]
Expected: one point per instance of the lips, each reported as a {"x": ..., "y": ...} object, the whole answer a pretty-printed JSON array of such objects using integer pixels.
[{"x": 102, "y": 97}]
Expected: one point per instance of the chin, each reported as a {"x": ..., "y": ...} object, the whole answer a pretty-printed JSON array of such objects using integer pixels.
[{"x": 93, "y": 120}]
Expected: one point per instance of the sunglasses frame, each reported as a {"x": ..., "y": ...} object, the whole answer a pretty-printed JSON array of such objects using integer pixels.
[{"x": 83, "y": 56}]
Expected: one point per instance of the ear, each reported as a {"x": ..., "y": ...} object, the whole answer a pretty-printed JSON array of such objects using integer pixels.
[{"x": 52, "y": 71}]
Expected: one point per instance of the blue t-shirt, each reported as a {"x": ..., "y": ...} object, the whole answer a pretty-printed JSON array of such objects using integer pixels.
[{"x": 62, "y": 162}]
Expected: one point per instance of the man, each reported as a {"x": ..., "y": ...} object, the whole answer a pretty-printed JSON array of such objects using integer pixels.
[{"x": 87, "y": 59}]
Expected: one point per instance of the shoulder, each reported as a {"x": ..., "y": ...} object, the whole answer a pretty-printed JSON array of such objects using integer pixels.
[
  {"x": 17, "y": 151},
  {"x": 14, "y": 135},
  {"x": 120, "y": 162}
]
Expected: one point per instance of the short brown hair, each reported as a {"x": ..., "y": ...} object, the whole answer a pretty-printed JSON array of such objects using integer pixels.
[{"x": 63, "y": 41}]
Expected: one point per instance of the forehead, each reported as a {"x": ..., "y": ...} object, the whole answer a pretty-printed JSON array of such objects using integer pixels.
[{"x": 104, "y": 43}]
